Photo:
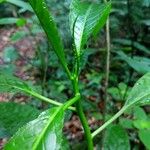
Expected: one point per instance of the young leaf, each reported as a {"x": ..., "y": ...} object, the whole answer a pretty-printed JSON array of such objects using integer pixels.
[
  {"x": 140, "y": 93},
  {"x": 13, "y": 116},
  {"x": 43, "y": 133},
  {"x": 49, "y": 26},
  {"x": 87, "y": 19},
  {"x": 116, "y": 138}
]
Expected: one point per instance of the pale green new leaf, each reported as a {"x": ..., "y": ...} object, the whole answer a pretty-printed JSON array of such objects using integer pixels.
[
  {"x": 140, "y": 93},
  {"x": 49, "y": 26},
  {"x": 43, "y": 133},
  {"x": 87, "y": 19}
]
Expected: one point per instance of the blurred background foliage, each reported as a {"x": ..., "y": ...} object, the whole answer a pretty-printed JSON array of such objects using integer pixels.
[{"x": 130, "y": 59}]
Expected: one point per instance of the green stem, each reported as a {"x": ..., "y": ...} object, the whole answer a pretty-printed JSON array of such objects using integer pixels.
[
  {"x": 82, "y": 117},
  {"x": 85, "y": 125},
  {"x": 70, "y": 102},
  {"x": 34, "y": 94},
  {"x": 109, "y": 121},
  {"x": 51, "y": 101}
]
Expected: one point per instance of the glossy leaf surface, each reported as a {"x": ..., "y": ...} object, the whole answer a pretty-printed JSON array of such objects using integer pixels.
[
  {"x": 87, "y": 19},
  {"x": 43, "y": 133},
  {"x": 49, "y": 26},
  {"x": 116, "y": 138},
  {"x": 140, "y": 93},
  {"x": 13, "y": 116}
]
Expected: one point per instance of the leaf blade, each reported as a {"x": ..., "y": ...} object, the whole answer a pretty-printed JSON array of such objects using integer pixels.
[
  {"x": 42, "y": 133},
  {"x": 140, "y": 93},
  {"x": 20, "y": 115},
  {"x": 116, "y": 138},
  {"x": 49, "y": 26},
  {"x": 87, "y": 19}
]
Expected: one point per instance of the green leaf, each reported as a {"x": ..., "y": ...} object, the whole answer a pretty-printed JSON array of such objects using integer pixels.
[
  {"x": 139, "y": 113},
  {"x": 144, "y": 136},
  {"x": 142, "y": 124},
  {"x": 21, "y": 4},
  {"x": 140, "y": 64},
  {"x": 126, "y": 123},
  {"x": 13, "y": 116},
  {"x": 137, "y": 45},
  {"x": 146, "y": 22},
  {"x": 5, "y": 21},
  {"x": 18, "y": 36},
  {"x": 43, "y": 133},
  {"x": 49, "y": 26},
  {"x": 87, "y": 19},
  {"x": 10, "y": 83},
  {"x": 140, "y": 93},
  {"x": 116, "y": 138}
]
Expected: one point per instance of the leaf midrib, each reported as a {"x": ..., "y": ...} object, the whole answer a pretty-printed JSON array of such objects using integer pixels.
[
  {"x": 83, "y": 29},
  {"x": 36, "y": 144}
]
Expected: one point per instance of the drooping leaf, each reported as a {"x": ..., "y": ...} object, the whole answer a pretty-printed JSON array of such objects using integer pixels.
[
  {"x": 87, "y": 19},
  {"x": 20, "y": 3},
  {"x": 140, "y": 64},
  {"x": 116, "y": 138},
  {"x": 128, "y": 42},
  {"x": 10, "y": 20},
  {"x": 9, "y": 83},
  {"x": 13, "y": 116},
  {"x": 43, "y": 133},
  {"x": 49, "y": 26},
  {"x": 144, "y": 136},
  {"x": 140, "y": 93}
]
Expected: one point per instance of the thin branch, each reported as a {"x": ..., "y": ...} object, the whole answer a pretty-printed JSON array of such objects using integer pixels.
[{"x": 107, "y": 64}]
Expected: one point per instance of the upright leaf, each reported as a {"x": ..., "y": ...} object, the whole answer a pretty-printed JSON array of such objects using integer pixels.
[
  {"x": 43, "y": 133},
  {"x": 49, "y": 26},
  {"x": 116, "y": 138},
  {"x": 13, "y": 116},
  {"x": 87, "y": 19}
]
